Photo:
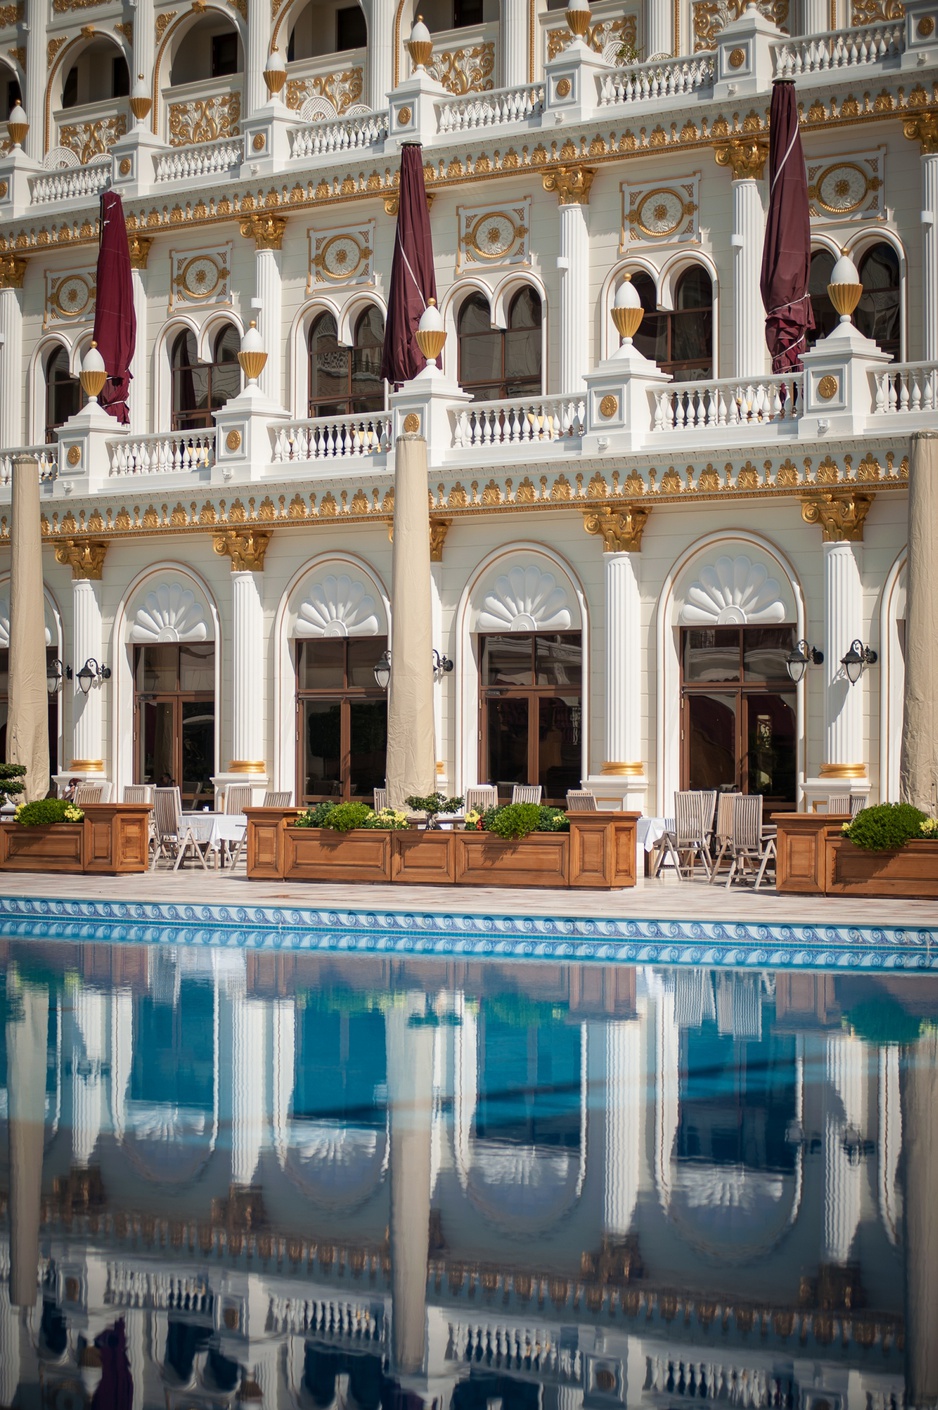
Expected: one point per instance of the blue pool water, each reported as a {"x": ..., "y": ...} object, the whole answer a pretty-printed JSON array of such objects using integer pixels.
[{"x": 259, "y": 1174}]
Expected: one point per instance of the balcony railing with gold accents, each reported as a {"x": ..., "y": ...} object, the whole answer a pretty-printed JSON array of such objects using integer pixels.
[
  {"x": 90, "y": 131},
  {"x": 843, "y": 49},
  {"x": 906, "y": 387},
  {"x": 671, "y": 78},
  {"x": 492, "y": 109},
  {"x": 327, "y": 86},
  {"x": 212, "y": 159},
  {"x": 347, "y": 134},
  {"x": 47, "y": 458},
  {"x": 728, "y": 402},
  {"x": 73, "y": 183},
  {"x": 202, "y": 112},
  {"x": 466, "y": 60},
  {"x": 331, "y": 437}
]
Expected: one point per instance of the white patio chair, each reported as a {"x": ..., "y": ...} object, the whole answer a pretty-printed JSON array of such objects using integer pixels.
[
  {"x": 480, "y": 798},
  {"x": 381, "y": 799},
  {"x": 748, "y": 846},
  {"x": 723, "y": 833},
  {"x": 138, "y": 793},
  {"x": 173, "y": 839},
  {"x": 526, "y": 793},
  {"x": 89, "y": 793},
  {"x": 581, "y": 800},
  {"x": 277, "y": 799},
  {"x": 838, "y": 802},
  {"x": 693, "y": 810}
]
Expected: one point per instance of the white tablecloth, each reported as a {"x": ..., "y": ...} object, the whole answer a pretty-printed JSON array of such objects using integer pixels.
[
  {"x": 215, "y": 828},
  {"x": 648, "y": 830}
]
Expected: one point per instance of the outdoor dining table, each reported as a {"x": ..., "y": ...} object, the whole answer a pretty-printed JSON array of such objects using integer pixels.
[{"x": 217, "y": 830}]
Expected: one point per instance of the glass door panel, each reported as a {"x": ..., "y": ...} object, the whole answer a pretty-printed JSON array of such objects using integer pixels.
[
  {"x": 559, "y": 758},
  {"x": 156, "y": 742},
  {"x": 710, "y": 741},
  {"x": 368, "y": 743},
  {"x": 769, "y": 763},
  {"x": 198, "y": 752},
  {"x": 321, "y": 733},
  {"x": 507, "y": 736}
]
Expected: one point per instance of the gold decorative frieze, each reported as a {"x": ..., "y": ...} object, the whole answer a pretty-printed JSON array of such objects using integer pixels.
[
  {"x": 344, "y": 256},
  {"x": 246, "y": 548},
  {"x": 53, "y": 47},
  {"x": 710, "y": 18},
  {"x": 620, "y": 529},
  {"x": 467, "y": 70},
  {"x": 85, "y": 557},
  {"x": 11, "y": 15},
  {"x": 12, "y": 272},
  {"x": 267, "y": 231},
  {"x": 847, "y": 188},
  {"x": 200, "y": 276},
  {"x": 841, "y": 516},
  {"x": 92, "y": 139},
  {"x": 340, "y": 91},
  {"x": 70, "y": 296},
  {"x": 572, "y": 184},
  {"x": 494, "y": 235},
  {"x": 204, "y": 119},
  {"x": 923, "y": 128},
  {"x": 661, "y": 212},
  {"x": 745, "y": 156},
  {"x": 607, "y": 37},
  {"x": 875, "y": 11}
]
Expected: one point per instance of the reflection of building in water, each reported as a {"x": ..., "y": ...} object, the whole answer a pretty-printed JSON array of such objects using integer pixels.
[{"x": 310, "y": 1183}]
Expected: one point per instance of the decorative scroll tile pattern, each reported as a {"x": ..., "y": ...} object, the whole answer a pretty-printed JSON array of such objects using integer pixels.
[
  {"x": 661, "y": 212},
  {"x": 70, "y": 296},
  {"x": 494, "y": 235},
  {"x": 712, "y": 16},
  {"x": 342, "y": 256}
]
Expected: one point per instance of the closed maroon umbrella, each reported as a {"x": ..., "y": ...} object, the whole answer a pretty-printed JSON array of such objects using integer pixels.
[
  {"x": 413, "y": 280},
  {"x": 115, "y": 322},
  {"x": 786, "y": 254},
  {"x": 116, "y": 1388}
]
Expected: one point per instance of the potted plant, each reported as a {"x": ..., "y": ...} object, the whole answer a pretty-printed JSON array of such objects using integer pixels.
[
  {"x": 426, "y": 854},
  {"x": 433, "y": 805},
  {"x": 341, "y": 842},
  {"x": 48, "y": 836},
  {"x": 11, "y": 781},
  {"x": 520, "y": 844},
  {"x": 890, "y": 849}
]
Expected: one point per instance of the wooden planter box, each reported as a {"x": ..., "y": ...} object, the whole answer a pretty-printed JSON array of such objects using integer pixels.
[
  {"x": 801, "y": 863},
  {"x": 113, "y": 839},
  {"x": 602, "y": 850},
  {"x": 910, "y": 873},
  {"x": 266, "y": 835},
  {"x": 423, "y": 857},
  {"x": 318, "y": 854},
  {"x": 540, "y": 859}
]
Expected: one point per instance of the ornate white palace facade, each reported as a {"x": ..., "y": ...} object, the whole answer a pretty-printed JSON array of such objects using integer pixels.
[{"x": 626, "y": 550}]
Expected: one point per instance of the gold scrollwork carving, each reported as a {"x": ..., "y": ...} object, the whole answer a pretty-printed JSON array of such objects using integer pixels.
[
  {"x": 53, "y": 47},
  {"x": 622, "y": 32},
  {"x": 572, "y": 184},
  {"x": 12, "y": 272},
  {"x": 873, "y": 11},
  {"x": 163, "y": 22},
  {"x": 745, "y": 156},
  {"x": 245, "y": 547},
  {"x": 342, "y": 90},
  {"x": 621, "y": 530},
  {"x": 439, "y": 528},
  {"x": 466, "y": 70},
  {"x": 712, "y": 16},
  {"x": 204, "y": 119},
  {"x": 11, "y": 14},
  {"x": 266, "y": 231},
  {"x": 840, "y": 516},
  {"x": 923, "y": 128},
  {"x": 139, "y": 246},
  {"x": 85, "y": 557},
  {"x": 92, "y": 139}
]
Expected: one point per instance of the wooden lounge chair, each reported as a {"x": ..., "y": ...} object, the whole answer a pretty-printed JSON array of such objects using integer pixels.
[{"x": 581, "y": 800}]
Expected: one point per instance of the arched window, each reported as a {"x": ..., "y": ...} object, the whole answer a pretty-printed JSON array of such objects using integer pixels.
[
  {"x": 344, "y": 380},
  {"x": 199, "y": 388},
  {"x": 878, "y": 312},
  {"x": 324, "y": 28},
  {"x": 63, "y": 393},
  {"x": 496, "y": 363},
  {"x": 679, "y": 340}
]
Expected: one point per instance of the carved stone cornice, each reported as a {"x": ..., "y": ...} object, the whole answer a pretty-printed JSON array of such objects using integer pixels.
[
  {"x": 245, "y": 547},
  {"x": 745, "y": 156},
  {"x": 620, "y": 529},
  {"x": 12, "y": 271},
  {"x": 923, "y": 128},
  {"x": 841, "y": 516},
  {"x": 85, "y": 557},
  {"x": 439, "y": 528},
  {"x": 265, "y": 230},
  {"x": 572, "y": 184},
  {"x": 139, "y": 246}
]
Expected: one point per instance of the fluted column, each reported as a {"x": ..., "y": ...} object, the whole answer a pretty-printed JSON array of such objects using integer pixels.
[
  {"x": 89, "y": 1015},
  {"x": 143, "y": 42},
  {"x": 85, "y": 557},
  {"x": 515, "y": 44},
  {"x": 246, "y": 551},
  {"x": 267, "y": 232},
  {"x": 817, "y": 16},
  {"x": 37, "y": 12},
  {"x": 572, "y": 185},
  {"x": 255, "y": 60},
  {"x": 410, "y": 1102},
  {"x": 379, "y": 63},
  {"x": 12, "y": 271},
  {"x": 139, "y": 254},
  {"x": 659, "y": 29},
  {"x": 26, "y": 1039},
  {"x": 746, "y": 159},
  {"x": 845, "y": 1126},
  {"x": 923, "y": 128},
  {"x": 625, "y": 1115},
  {"x": 249, "y": 1084}
]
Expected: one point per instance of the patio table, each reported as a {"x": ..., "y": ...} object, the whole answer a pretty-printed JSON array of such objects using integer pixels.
[{"x": 216, "y": 830}]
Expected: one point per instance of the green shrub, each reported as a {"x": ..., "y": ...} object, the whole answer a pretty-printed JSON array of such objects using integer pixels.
[
  {"x": 434, "y": 803},
  {"x": 344, "y": 817},
  {"x": 47, "y": 810},
  {"x": 315, "y": 816},
  {"x": 10, "y": 784},
  {"x": 883, "y": 1020},
  {"x": 553, "y": 820},
  {"x": 514, "y": 820},
  {"x": 886, "y": 826}
]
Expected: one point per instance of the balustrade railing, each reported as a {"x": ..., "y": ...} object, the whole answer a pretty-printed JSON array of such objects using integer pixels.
[
  {"x": 336, "y": 1321},
  {"x": 535, "y": 1350},
  {"x": 339, "y": 135},
  {"x": 905, "y": 387},
  {"x": 47, "y": 457},
  {"x": 175, "y": 453},
  {"x": 332, "y": 437},
  {"x": 731, "y": 401},
  {"x": 489, "y": 109},
  {"x": 842, "y": 49},
  {"x": 203, "y": 159},
  {"x": 522, "y": 420},
  {"x": 754, "y": 1389},
  {"x": 671, "y": 78},
  {"x": 132, "y": 1287},
  {"x": 71, "y": 183}
]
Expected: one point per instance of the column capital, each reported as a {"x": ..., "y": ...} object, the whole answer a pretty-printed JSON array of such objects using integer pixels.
[
  {"x": 572, "y": 184},
  {"x": 923, "y": 128},
  {"x": 841, "y": 516},
  {"x": 265, "y": 230},
  {"x": 620, "y": 529},
  {"x": 139, "y": 246},
  {"x": 245, "y": 547},
  {"x": 12, "y": 271},
  {"x": 746, "y": 156},
  {"x": 85, "y": 557},
  {"x": 439, "y": 528}
]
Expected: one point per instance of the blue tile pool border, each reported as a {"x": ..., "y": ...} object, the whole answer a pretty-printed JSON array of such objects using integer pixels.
[{"x": 445, "y": 935}]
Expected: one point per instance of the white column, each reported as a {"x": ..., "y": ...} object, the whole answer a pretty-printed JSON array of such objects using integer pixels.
[
  {"x": 930, "y": 255},
  {"x": 139, "y": 423},
  {"x": 843, "y": 623},
  {"x": 410, "y": 1103},
  {"x": 624, "y": 663},
  {"x": 11, "y": 359},
  {"x": 816, "y": 16},
  {"x": 34, "y": 97},
  {"x": 625, "y": 1115},
  {"x": 514, "y": 43},
  {"x": 255, "y": 60},
  {"x": 659, "y": 29},
  {"x": 845, "y": 1122},
  {"x": 749, "y": 315},
  {"x": 143, "y": 41},
  {"x": 249, "y": 1083},
  {"x": 379, "y": 64},
  {"x": 9, "y": 1348},
  {"x": 575, "y": 310},
  {"x": 89, "y": 1016},
  {"x": 87, "y": 753},
  {"x": 268, "y": 283},
  {"x": 247, "y": 700}
]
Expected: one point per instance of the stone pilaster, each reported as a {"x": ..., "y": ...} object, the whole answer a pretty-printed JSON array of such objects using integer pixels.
[
  {"x": 746, "y": 157},
  {"x": 572, "y": 185},
  {"x": 37, "y": 13},
  {"x": 246, "y": 549},
  {"x": 12, "y": 271},
  {"x": 625, "y": 1094},
  {"x": 379, "y": 70},
  {"x": 659, "y": 29},
  {"x": 515, "y": 44},
  {"x": 139, "y": 254},
  {"x": 267, "y": 232},
  {"x": 85, "y": 557},
  {"x": 923, "y": 128},
  {"x": 258, "y": 48}
]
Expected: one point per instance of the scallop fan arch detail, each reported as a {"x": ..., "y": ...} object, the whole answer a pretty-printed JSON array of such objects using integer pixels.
[
  {"x": 734, "y": 591},
  {"x": 170, "y": 612},
  {"x": 526, "y": 599},
  {"x": 338, "y": 605},
  {"x": 5, "y": 620}
]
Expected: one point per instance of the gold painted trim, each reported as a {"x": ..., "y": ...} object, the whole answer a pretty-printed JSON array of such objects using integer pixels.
[
  {"x": 397, "y": 42},
  {"x": 843, "y": 771},
  {"x": 247, "y": 766},
  {"x": 613, "y": 769},
  {"x": 86, "y": 766},
  {"x": 532, "y": 30}
]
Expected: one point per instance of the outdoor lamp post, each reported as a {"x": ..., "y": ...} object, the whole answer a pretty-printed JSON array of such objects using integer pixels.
[
  {"x": 856, "y": 658},
  {"x": 54, "y": 676},
  {"x": 800, "y": 658},
  {"x": 845, "y": 289},
  {"x": 90, "y": 672}
]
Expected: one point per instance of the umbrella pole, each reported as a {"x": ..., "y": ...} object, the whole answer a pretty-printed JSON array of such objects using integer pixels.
[{"x": 28, "y": 719}]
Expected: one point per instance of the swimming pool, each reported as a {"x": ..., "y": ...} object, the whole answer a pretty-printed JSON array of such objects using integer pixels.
[{"x": 310, "y": 1177}]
